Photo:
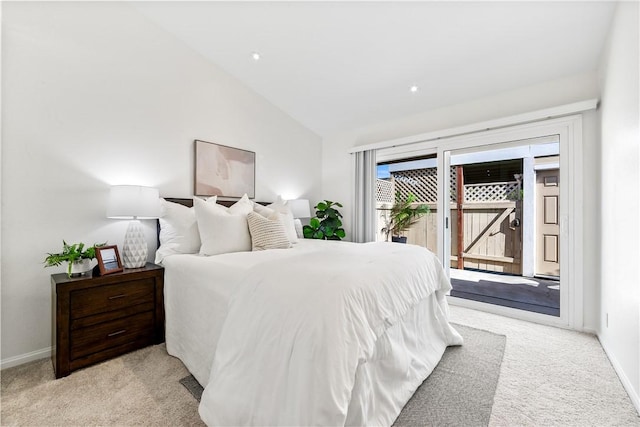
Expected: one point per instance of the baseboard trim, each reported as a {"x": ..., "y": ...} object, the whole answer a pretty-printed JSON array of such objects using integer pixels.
[
  {"x": 633, "y": 395},
  {"x": 21, "y": 359}
]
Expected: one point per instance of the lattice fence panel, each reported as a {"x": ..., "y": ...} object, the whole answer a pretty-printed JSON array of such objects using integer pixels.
[
  {"x": 385, "y": 191},
  {"x": 492, "y": 192},
  {"x": 453, "y": 181},
  {"x": 423, "y": 183}
]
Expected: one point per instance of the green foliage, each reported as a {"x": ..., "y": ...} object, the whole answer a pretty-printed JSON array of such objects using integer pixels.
[
  {"x": 402, "y": 215},
  {"x": 516, "y": 195},
  {"x": 71, "y": 254},
  {"x": 327, "y": 224}
]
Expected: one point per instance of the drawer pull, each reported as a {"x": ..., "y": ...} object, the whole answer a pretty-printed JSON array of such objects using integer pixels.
[
  {"x": 113, "y": 334},
  {"x": 118, "y": 296}
]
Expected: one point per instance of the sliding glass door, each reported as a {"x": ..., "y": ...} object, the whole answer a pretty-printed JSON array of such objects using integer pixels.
[
  {"x": 505, "y": 233},
  {"x": 500, "y": 214}
]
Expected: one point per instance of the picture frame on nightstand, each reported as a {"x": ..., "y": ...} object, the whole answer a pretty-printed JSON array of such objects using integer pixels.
[{"x": 108, "y": 260}]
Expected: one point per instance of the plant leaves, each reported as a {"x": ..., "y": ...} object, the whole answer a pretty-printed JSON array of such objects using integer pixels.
[
  {"x": 308, "y": 232},
  {"x": 326, "y": 222},
  {"x": 402, "y": 214},
  {"x": 71, "y": 253}
]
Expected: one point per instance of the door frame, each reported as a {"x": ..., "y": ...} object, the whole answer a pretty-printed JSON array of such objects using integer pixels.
[{"x": 569, "y": 131}]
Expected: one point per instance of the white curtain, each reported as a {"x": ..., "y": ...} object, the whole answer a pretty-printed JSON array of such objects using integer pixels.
[{"x": 364, "y": 212}]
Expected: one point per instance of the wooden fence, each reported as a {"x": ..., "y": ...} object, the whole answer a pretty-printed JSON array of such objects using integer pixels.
[{"x": 491, "y": 242}]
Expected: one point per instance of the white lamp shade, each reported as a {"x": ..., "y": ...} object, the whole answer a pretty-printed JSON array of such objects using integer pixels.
[
  {"x": 133, "y": 201},
  {"x": 299, "y": 208}
]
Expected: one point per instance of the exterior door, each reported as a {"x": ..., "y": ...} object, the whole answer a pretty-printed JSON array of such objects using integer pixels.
[{"x": 548, "y": 222}]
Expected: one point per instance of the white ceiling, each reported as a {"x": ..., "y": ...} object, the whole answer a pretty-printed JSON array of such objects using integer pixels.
[{"x": 339, "y": 65}]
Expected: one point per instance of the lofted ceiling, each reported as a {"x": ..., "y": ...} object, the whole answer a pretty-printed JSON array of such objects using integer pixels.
[{"x": 340, "y": 65}]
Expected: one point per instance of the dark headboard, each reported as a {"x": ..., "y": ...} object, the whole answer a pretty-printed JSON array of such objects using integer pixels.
[
  {"x": 185, "y": 202},
  {"x": 189, "y": 203}
]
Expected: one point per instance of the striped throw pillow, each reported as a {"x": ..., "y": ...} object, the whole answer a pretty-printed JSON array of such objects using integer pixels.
[{"x": 267, "y": 233}]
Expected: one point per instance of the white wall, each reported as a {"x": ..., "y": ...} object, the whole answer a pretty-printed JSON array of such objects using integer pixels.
[
  {"x": 337, "y": 161},
  {"x": 95, "y": 95},
  {"x": 620, "y": 164}
]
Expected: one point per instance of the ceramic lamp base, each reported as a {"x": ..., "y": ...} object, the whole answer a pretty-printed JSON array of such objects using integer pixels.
[{"x": 134, "y": 252}]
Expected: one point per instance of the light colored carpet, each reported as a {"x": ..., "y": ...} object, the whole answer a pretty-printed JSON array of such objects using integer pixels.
[
  {"x": 549, "y": 377},
  {"x": 139, "y": 388},
  {"x": 460, "y": 390},
  {"x": 552, "y": 376}
]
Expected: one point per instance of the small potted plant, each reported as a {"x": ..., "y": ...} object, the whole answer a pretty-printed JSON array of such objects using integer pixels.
[
  {"x": 401, "y": 216},
  {"x": 327, "y": 224},
  {"x": 76, "y": 255}
]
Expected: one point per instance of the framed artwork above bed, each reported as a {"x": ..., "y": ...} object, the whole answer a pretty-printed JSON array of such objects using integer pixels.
[{"x": 224, "y": 171}]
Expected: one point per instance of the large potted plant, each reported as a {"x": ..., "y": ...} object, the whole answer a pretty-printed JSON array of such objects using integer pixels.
[
  {"x": 401, "y": 216},
  {"x": 76, "y": 256},
  {"x": 327, "y": 224}
]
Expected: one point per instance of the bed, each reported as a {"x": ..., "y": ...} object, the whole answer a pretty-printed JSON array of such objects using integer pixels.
[{"x": 322, "y": 333}]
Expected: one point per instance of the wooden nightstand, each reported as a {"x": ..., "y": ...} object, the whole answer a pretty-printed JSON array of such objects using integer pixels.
[{"x": 96, "y": 318}]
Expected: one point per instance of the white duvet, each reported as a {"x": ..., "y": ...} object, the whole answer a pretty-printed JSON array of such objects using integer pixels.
[{"x": 329, "y": 333}]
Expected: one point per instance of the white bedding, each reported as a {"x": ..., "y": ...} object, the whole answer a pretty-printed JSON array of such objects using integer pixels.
[
  {"x": 196, "y": 298},
  {"x": 326, "y": 333}
]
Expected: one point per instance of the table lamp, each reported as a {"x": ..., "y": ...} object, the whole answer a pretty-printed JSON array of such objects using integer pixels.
[
  {"x": 134, "y": 202},
  {"x": 299, "y": 208}
]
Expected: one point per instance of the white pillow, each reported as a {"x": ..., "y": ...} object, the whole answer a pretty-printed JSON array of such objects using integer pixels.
[
  {"x": 299, "y": 230},
  {"x": 222, "y": 231},
  {"x": 241, "y": 207},
  {"x": 178, "y": 230},
  {"x": 267, "y": 233},
  {"x": 262, "y": 210},
  {"x": 285, "y": 216}
]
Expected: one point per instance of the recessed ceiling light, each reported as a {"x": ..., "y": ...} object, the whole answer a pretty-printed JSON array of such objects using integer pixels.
[
  {"x": 255, "y": 56},
  {"x": 413, "y": 89}
]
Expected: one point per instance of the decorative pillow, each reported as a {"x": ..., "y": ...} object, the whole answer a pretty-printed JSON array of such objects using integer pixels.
[
  {"x": 267, "y": 233},
  {"x": 178, "y": 230},
  {"x": 262, "y": 210},
  {"x": 287, "y": 219},
  {"x": 241, "y": 207},
  {"x": 298, "y": 224},
  {"x": 222, "y": 231}
]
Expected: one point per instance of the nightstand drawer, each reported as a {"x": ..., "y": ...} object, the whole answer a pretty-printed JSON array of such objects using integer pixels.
[
  {"x": 138, "y": 328},
  {"x": 92, "y": 301},
  {"x": 96, "y": 318}
]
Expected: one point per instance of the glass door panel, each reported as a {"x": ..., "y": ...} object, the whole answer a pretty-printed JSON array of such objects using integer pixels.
[
  {"x": 414, "y": 181},
  {"x": 504, "y": 240}
]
